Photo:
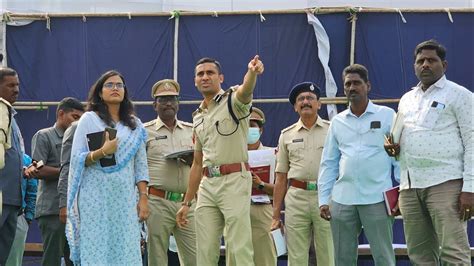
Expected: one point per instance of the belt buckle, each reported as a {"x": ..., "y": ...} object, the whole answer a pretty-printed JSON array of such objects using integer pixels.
[
  {"x": 311, "y": 185},
  {"x": 174, "y": 196},
  {"x": 214, "y": 171}
]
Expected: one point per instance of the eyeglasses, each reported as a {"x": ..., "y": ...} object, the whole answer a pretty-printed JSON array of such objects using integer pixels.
[
  {"x": 111, "y": 85},
  {"x": 165, "y": 99},
  {"x": 308, "y": 97}
]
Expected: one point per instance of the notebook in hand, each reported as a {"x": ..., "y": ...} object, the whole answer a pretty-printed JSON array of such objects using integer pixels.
[
  {"x": 95, "y": 141},
  {"x": 390, "y": 197}
]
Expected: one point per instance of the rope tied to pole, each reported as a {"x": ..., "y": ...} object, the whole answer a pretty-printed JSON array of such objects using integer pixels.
[
  {"x": 262, "y": 18},
  {"x": 401, "y": 15},
  {"x": 449, "y": 15},
  {"x": 48, "y": 22},
  {"x": 174, "y": 14}
]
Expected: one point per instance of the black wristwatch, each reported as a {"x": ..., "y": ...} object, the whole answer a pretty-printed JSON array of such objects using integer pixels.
[
  {"x": 187, "y": 203},
  {"x": 261, "y": 186}
]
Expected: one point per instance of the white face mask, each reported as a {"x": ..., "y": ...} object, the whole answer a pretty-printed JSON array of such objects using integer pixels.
[{"x": 254, "y": 135}]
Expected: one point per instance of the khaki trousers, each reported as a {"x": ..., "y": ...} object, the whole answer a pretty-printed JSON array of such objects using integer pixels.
[
  {"x": 263, "y": 247},
  {"x": 301, "y": 219},
  {"x": 433, "y": 230},
  {"x": 161, "y": 224},
  {"x": 224, "y": 201}
]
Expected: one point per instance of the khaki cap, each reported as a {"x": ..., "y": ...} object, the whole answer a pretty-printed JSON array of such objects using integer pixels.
[
  {"x": 165, "y": 87},
  {"x": 257, "y": 115}
]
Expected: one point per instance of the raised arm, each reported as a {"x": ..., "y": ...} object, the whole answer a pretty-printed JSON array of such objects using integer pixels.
[{"x": 244, "y": 92}]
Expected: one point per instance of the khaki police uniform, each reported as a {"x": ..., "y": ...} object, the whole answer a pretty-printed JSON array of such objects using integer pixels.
[
  {"x": 223, "y": 200},
  {"x": 168, "y": 182},
  {"x": 299, "y": 155},
  {"x": 261, "y": 220}
]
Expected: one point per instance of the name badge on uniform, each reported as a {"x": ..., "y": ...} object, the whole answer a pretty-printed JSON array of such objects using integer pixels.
[
  {"x": 161, "y": 137},
  {"x": 297, "y": 140}
]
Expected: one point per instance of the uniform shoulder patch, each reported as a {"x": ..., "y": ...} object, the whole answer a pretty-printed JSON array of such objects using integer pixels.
[
  {"x": 186, "y": 124},
  {"x": 196, "y": 112},
  {"x": 149, "y": 123},
  {"x": 288, "y": 128}
]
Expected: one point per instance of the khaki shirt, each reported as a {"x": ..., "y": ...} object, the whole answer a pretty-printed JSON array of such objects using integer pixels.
[
  {"x": 217, "y": 148},
  {"x": 300, "y": 149},
  {"x": 168, "y": 174}
]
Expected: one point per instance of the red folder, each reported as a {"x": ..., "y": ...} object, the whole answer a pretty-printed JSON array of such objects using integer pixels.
[
  {"x": 391, "y": 198},
  {"x": 264, "y": 173}
]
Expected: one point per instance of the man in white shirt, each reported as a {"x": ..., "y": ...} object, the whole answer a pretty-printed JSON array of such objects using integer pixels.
[{"x": 437, "y": 183}]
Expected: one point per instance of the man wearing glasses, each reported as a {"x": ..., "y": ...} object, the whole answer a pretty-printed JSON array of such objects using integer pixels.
[
  {"x": 168, "y": 177},
  {"x": 299, "y": 152}
]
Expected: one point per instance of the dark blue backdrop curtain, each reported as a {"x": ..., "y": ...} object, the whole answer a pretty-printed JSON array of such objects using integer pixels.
[{"x": 66, "y": 60}]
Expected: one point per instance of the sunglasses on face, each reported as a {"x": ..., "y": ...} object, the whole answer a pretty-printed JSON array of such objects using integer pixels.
[{"x": 165, "y": 99}]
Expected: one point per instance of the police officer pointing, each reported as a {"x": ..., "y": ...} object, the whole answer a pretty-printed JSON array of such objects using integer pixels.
[{"x": 220, "y": 168}]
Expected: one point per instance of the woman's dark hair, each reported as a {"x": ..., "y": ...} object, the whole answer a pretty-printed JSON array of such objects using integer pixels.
[{"x": 96, "y": 103}]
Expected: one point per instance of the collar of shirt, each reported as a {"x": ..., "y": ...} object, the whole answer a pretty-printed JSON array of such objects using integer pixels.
[
  {"x": 214, "y": 100},
  {"x": 300, "y": 125},
  {"x": 159, "y": 124},
  {"x": 59, "y": 131},
  {"x": 369, "y": 109},
  {"x": 438, "y": 84}
]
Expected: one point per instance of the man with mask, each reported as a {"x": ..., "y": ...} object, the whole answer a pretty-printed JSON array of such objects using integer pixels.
[
  {"x": 168, "y": 177},
  {"x": 260, "y": 212},
  {"x": 299, "y": 153}
]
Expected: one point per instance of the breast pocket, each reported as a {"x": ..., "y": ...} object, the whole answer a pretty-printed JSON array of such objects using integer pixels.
[
  {"x": 430, "y": 118},
  {"x": 374, "y": 137},
  {"x": 186, "y": 144},
  {"x": 225, "y": 126},
  {"x": 296, "y": 151},
  {"x": 160, "y": 146}
]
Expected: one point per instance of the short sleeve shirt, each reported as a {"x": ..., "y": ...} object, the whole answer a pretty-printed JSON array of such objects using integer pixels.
[
  {"x": 300, "y": 149},
  {"x": 168, "y": 174},
  {"x": 46, "y": 145},
  {"x": 219, "y": 138}
]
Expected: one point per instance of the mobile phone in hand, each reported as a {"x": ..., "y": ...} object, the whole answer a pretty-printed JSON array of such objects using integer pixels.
[{"x": 39, "y": 164}]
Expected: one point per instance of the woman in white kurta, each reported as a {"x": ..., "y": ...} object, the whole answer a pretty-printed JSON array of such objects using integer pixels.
[{"x": 103, "y": 224}]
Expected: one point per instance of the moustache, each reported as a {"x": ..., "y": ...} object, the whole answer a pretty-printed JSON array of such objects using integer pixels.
[
  {"x": 306, "y": 105},
  {"x": 426, "y": 71}
]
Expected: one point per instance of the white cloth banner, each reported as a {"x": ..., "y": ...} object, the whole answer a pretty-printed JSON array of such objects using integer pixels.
[{"x": 323, "y": 52}]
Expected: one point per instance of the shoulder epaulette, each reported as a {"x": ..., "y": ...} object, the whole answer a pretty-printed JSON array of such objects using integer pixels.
[
  {"x": 186, "y": 124},
  {"x": 198, "y": 110},
  {"x": 149, "y": 123},
  {"x": 288, "y": 128}
]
